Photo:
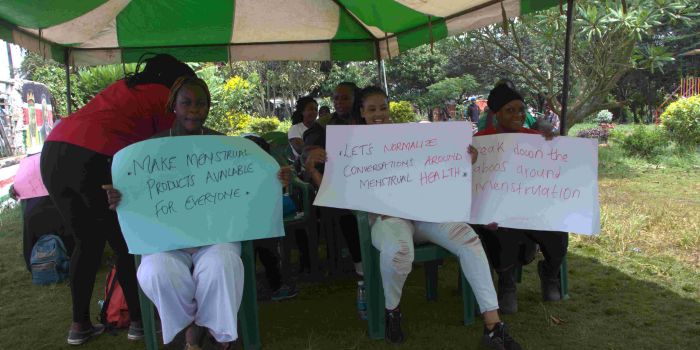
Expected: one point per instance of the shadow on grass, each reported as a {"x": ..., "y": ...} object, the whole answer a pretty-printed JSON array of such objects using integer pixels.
[{"x": 608, "y": 309}]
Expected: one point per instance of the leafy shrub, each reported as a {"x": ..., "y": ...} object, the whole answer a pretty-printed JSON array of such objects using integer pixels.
[
  {"x": 92, "y": 80},
  {"x": 682, "y": 121},
  {"x": 645, "y": 142},
  {"x": 236, "y": 123},
  {"x": 284, "y": 126},
  {"x": 262, "y": 125},
  {"x": 238, "y": 94},
  {"x": 604, "y": 116},
  {"x": 402, "y": 112}
]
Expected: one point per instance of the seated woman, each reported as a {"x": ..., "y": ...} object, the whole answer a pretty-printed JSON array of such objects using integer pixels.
[
  {"x": 394, "y": 238},
  {"x": 198, "y": 288},
  {"x": 503, "y": 244},
  {"x": 303, "y": 118}
]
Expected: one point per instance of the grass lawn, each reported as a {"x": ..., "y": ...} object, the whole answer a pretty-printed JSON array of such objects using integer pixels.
[{"x": 635, "y": 286}]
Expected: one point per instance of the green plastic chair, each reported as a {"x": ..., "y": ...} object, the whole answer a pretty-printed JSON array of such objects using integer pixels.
[
  {"x": 247, "y": 313},
  {"x": 275, "y": 137},
  {"x": 430, "y": 254},
  {"x": 306, "y": 219},
  {"x": 278, "y": 142},
  {"x": 303, "y": 192}
]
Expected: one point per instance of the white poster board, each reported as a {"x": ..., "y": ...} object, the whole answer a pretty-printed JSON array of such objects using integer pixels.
[
  {"x": 412, "y": 171},
  {"x": 524, "y": 181}
]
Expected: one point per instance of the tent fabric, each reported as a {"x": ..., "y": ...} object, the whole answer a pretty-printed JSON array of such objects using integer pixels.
[{"x": 90, "y": 32}]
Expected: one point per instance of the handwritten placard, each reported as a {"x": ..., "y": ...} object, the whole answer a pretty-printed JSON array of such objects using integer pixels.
[
  {"x": 28, "y": 182},
  {"x": 524, "y": 181},
  {"x": 413, "y": 171},
  {"x": 191, "y": 191}
]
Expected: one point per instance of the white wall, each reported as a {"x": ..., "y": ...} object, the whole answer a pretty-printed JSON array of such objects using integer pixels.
[{"x": 17, "y": 57}]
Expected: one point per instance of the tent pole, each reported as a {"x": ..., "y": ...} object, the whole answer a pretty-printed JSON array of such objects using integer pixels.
[
  {"x": 68, "y": 98},
  {"x": 567, "y": 64},
  {"x": 381, "y": 71}
]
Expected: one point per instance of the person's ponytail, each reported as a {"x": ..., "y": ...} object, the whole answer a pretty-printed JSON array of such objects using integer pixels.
[{"x": 161, "y": 69}]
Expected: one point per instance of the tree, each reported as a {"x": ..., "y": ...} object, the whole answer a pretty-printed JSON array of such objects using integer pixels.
[
  {"x": 293, "y": 79},
  {"x": 279, "y": 80},
  {"x": 35, "y": 68},
  {"x": 360, "y": 73},
  {"x": 449, "y": 89},
  {"x": 409, "y": 74},
  {"x": 606, "y": 34}
]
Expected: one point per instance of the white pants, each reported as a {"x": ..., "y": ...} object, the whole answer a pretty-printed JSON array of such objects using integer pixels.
[
  {"x": 203, "y": 286},
  {"x": 394, "y": 238}
]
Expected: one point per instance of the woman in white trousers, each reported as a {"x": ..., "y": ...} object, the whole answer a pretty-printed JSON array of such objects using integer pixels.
[
  {"x": 395, "y": 239},
  {"x": 195, "y": 288},
  {"x": 198, "y": 286}
]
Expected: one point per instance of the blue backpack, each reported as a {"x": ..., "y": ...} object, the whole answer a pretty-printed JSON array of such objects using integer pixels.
[{"x": 49, "y": 261}]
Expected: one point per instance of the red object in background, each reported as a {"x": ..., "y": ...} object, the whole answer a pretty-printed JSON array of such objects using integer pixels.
[
  {"x": 39, "y": 119},
  {"x": 37, "y": 114}
]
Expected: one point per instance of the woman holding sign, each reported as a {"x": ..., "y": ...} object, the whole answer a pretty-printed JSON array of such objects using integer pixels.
[
  {"x": 196, "y": 288},
  {"x": 394, "y": 238},
  {"x": 75, "y": 162},
  {"x": 503, "y": 244}
]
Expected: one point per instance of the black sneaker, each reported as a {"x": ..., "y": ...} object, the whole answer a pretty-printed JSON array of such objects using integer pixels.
[
  {"x": 507, "y": 292},
  {"x": 498, "y": 338},
  {"x": 80, "y": 337},
  {"x": 392, "y": 328},
  {"x": 549, "y": 283},
  {"x": 284, "y": 292}
]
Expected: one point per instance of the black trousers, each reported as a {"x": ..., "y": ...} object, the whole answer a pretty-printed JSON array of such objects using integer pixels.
[
  {"x": 348, "y": 224},
  {"x": 73, "y": 176},
  {"x": 504, "y": 245},
  {"x": 266, "y": 250}
]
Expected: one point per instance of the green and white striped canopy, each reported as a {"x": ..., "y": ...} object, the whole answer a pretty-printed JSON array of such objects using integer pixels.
[{"x": 90, "y": 32}]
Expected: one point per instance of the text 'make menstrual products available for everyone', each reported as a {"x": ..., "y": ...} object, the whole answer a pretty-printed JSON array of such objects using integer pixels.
[
  {"x": 524, "y": 181},
  {"x": 191, "y": 191},
  {"x": 413, "y": 171}
]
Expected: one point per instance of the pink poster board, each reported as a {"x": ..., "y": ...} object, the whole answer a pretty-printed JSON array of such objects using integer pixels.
[{"x": 28, "y": 183}]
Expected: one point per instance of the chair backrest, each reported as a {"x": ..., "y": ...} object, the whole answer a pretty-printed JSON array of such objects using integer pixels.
[{"x": 275, "y": 138}]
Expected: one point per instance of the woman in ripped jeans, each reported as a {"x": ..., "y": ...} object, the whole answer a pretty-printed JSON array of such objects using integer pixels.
[{"x": 395, "y": 239}]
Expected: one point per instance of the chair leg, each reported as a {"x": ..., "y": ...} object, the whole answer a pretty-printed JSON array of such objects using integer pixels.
[
  {"x": 374, "y": 292},
  {"x": 312, "y": 242},
  {"x": 147, "y": 316},
  {"x": 564, "y": 279},
  {"x": 329, "y": 234},
  {"x": 519, "y": 273},
  {"x": 248, "y": 312},
  {"x": 431, "y": 280},
  {"x": 468, "y": 300}
]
